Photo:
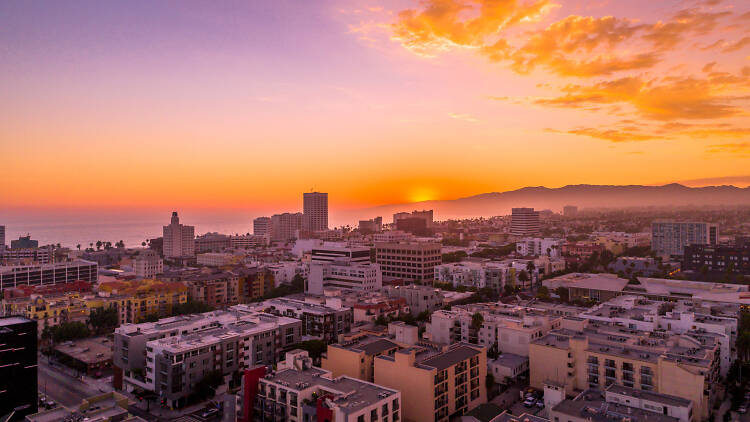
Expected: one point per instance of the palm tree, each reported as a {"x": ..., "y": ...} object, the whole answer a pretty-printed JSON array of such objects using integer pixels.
[
  {"x": 99, "y": 244},
  {"x": 78, "y": 246}
]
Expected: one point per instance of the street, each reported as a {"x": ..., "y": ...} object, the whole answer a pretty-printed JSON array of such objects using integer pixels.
[{"x": 57, "y": 383}]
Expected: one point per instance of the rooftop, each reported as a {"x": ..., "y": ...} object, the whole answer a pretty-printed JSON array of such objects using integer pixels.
[
  {"x": 591, "y": 405},
  {"x": 350, "y": 394},
  {"x": 87, "y": 350}
]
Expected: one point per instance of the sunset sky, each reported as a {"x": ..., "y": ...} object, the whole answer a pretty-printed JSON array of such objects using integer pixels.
[{"x": 246, "y": 104}]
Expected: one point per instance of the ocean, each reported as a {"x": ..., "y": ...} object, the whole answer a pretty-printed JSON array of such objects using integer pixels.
[{"x": 71, "y": 229}]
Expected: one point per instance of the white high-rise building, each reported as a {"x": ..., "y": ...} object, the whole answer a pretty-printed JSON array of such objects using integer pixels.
[
  {"x": 524, "y": 222},
  {"x": 262, "y": 226},
  {"x": 179, "y": 240},
  {"x": 315, "y": 210},
  {"x": 671, "y": 237}
]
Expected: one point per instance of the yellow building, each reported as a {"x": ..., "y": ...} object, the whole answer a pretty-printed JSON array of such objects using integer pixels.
[
  {"x": 137, "y": 299},
  {"x": 49, "y": 310},
  {"x": 435, "y": 383},
  {"x": 356, "y": 357},
  {"x": 586, "y": 354}
]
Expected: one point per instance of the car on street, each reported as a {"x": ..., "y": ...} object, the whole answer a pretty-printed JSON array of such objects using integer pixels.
[{"x": 529, "y": 402}]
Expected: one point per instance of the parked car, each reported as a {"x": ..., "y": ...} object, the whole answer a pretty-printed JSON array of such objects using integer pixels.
[
  {"x": 529, "y": 402},
  {"x": 742, "y": 410},
  {"x": 209, "y": 413},
  {"x": 540, "y": 404}
]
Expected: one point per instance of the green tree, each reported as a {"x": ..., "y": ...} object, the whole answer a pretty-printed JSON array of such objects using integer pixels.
[
  {"x": 543, "y": 293},
  {"x": 206, "y": 387},
  {"x": 563, "y": 293},
  {"x": 99, "y": 244},
  {"x": 315, "y": 348},
  {"x": 477, "y": 320},
  {"x": 103, "y": 320},
  {"x": 423, "y": 316}
]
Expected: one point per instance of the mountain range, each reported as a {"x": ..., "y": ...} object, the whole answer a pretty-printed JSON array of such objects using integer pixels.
[{"x": 583, "y": 196}]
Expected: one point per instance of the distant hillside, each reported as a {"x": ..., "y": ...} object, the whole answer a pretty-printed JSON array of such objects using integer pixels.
[{"x": 583, "y": 196}]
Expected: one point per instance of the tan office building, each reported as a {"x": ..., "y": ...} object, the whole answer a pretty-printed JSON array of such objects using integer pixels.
[{"x": 410, "y": 261}]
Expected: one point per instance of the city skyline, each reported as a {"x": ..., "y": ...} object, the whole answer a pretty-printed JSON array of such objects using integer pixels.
[{"x": 151, "y": 105}]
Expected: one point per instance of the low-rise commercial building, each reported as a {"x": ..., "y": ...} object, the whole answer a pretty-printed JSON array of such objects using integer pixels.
[
  {"x": 494, "y": 275},
  {"x": 538, "y": 246},
  {"x": 46, "y": 274},
  {"x": 104, "y": 407},
  {"x": 343, "y": 275},
  {"x": 217, "y": 259}
]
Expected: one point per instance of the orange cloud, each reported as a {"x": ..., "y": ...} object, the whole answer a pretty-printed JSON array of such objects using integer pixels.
[
  {"x": 737, "y": 148},
  {"x": 668, "y": 98},
  {"x": 687, "y": 22},
  {"x": 581, "y": 46},
  {"x": 612, "y": 135},
  {"x": 442, "y": 25}
]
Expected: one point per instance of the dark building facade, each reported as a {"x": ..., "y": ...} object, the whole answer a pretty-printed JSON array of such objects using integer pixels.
[
  {"x": 18, "y": 367},
  {"x": 717, "y": 258}
]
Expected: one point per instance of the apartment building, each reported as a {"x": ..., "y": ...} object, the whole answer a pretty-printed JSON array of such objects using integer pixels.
[
  {"x": 48, "y": 310},
  {"x": 570, "y": 211},
  {"x": 169, "y": 356},
  {"x": 537, "y": 246},
  {"x": 148, "y": 264},
  {"x": 324, "y": 322},
  {"x": 253, "y": 282},
  {"x": 671, "y": 237},
  {"x": 508, "y": 328},
  {"x": 425, "y": 215},
  {"x": 680, "y": 317},
  {"x": 262, "y": 226},
  {"x": 18, "y": 366},
  {"x": 298, "y": 392},
  {"x": 211, "y": 242},
  {"x": 179, "y": 239},
  {"x": 710, "y": 258},
  {"x": 373, "y": 225},
  {"x": 315, "y": 211},
  {"x": 524, "y": 222},
  {"x": 419, "y": 298},
  {"x": 135, "y": 300},
  {"x": 286, "y": 226},
  {"x": 410, "y": 261},
  {"x": 435, "y": 383},
  {"x": 48, "y": 274},
  {"x": 249, "y": 241},
  {"x": 43, "y": 255},
  {"x": 581, "y": 250},
  {"x": 494, "y": 275},
  {"x": 218, "y": 289},
  {"x": 590, "y": 354}
]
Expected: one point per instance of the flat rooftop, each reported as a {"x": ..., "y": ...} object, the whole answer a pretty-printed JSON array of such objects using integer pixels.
[
  {"x": 649, "y": 395},
  {"x": 87, "y": 350},
  {"x": 591, "y": 405},
  {"x": 451, "y": 357},
  {"x": 350, "y": 394}
]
